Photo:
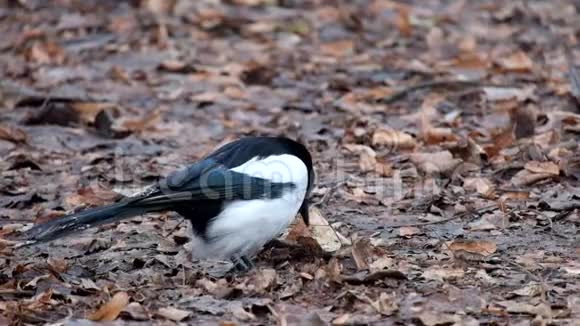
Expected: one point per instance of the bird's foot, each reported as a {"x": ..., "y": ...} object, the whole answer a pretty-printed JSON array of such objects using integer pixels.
[{"x": 242, "y": 264}]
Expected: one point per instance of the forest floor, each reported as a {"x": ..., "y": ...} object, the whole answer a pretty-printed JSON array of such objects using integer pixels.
[{"x": 445, "y": 137}]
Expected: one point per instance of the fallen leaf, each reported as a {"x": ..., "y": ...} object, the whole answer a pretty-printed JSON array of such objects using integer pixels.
[
  {"x": 111, "y": 310},
  {"x": 439, "y": 273},
  {"x": 338, "y": 48},
  {"x": 45, "y": 53},
  {"x": 403, "y": 21},
  {"x": 409, "y": 231},
  {"x": 360, "y": 253},
  {"x": 480, "y": 247},
  {"x": 58, "y": 265},
  {"x": 482, "y": 185},
  {"x": 386, "y": 304},
  {"x": 265, "y": 280},
  {"x": 430, "y": 318},
  {"x": 136, "y": 311},
  {"x": 524, "y": 122},
  {"x": 481, "y": 225},
  {"x": 174, "y": 314},
  {"x": 323, "y": 232},
  {"x": 381, "y": 264},
  {"x": 12, "y": 134},
  {"x": 469, "y": 151},
  {"x": 159, "y": 6},
  {"x": 240, "y": 313},
  {"x": 90, "y": 196},
  {"x": 497, "y": 94},
  {"x": 543, "y": 167},
  {"x": 365, "y": 277},
  {"x": 88, "y": 110},
  {"x": 433, "y": 135},
  {"x": 530, "y": 290},
  {"x": 516, "y": 62},
  {"x": 393, "y": 140},
  {"x": 435, "y": 163},
  {"x": 514, "y": 307},
  {"x": 367, "y": 162},
  {"x": 341, "y": 320},
  {"x": 526, "y": 178},
  {"x": 138, "y": 125},
  {"x": 176, "y": 66}
]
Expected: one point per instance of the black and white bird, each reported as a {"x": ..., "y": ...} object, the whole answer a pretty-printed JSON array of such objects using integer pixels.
[{"x": 237, "y": 199}]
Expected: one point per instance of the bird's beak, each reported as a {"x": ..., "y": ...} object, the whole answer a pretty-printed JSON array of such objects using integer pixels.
[{"x": 304, "y": 212}]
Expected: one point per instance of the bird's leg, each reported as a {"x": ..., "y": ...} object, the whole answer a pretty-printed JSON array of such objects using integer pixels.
[{"x": 242, "y": 264}]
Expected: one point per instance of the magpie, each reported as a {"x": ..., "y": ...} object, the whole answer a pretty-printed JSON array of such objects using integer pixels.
[{"x": 237, "y": 199}]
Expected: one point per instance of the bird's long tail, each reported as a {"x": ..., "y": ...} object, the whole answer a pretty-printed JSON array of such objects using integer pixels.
[{"x": 83, "y": 220}]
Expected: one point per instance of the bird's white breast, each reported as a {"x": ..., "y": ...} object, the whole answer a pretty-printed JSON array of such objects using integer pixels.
[{"x": 244, "y": 226}]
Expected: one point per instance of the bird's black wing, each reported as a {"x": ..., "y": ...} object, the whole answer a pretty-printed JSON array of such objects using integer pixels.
[{"x": 209, "y": 180}]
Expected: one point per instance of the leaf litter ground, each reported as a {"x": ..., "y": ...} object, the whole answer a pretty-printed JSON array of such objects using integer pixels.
[{"x": 445, "y": 135}]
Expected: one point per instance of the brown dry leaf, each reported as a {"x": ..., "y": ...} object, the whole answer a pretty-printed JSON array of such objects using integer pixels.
[
  {"x": 435, "y": 163},
  {"x": 367, "y": 161},
  {"x": 543, "y": 167},
  {"x": 150, "y": 120},
  {"x": 159, "y": 6},
  {"x": 432, "y": 135},
  {"x": 337, "y": 48},
  {"x": 469, "y": 151},
  {"x": 431, "y": 318},
  {"x": 403, "y": 21},
  {"x": 386, "y": 304},
  {"x": 409, "y": 231},
  {"x": 136, "y": 311},
  {"x": 360, "y": 196},
  {"x": 333, "y": 270},
  {"x": 439, "y": 273},
  {"x": 530, "y": 290},
  {"x": 111, "y": 310},
  {"x": 526, "y": 178},
  {"x": 58, "y": 265},
  {"x": 88, "y": 110},
  {"x": 480, "y": 247},
  {"x": 265, "y": 280},
  {"x": 120, "y": 74},
  {"x": 176, "y": 66},
  {"x": 483, "y": 224},
  {"x": 516, "y": 62},
  {"x": 361, "y": 251},
  {"x": 12, "y": 134},
  {"x": 523, "y": 121},
  {"x": 393, "y": 139},
  {"x": 90, "y": 196},
  {"x": 240, "y": 313},
  {"x": 482, "y": 185},
  {"x": 341, "y": 320},
  {"x": 514, "y": 307},
  {"x": 328, "y": 238},
  {"x": 173, "y": 313},
  {"x": 45, "y": 53},
  {"x": 505, "y": 94},
  {"x": 384, "y": 169}
]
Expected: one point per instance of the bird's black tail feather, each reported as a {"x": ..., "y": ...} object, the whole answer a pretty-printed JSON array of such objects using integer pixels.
[{"x": 83, "y": 220}]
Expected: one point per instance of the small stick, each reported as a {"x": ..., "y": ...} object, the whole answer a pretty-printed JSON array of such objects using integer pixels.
[{"x": 434, "y": 84}]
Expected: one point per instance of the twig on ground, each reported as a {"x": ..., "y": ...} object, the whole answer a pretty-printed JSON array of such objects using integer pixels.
[
  {"x": 478, "y": 211},
  {"x": 435, "y": 84}
]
